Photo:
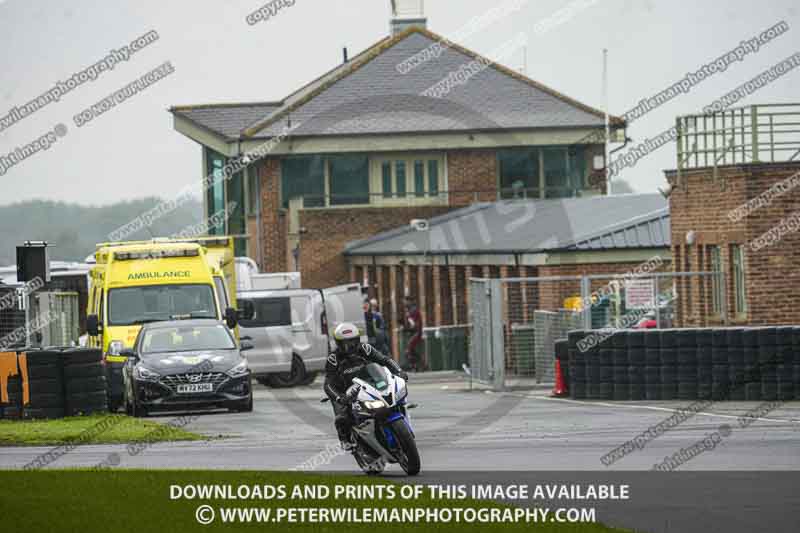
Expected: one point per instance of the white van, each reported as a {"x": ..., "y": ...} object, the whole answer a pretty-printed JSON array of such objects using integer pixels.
[{"x": 289, "y": 330}]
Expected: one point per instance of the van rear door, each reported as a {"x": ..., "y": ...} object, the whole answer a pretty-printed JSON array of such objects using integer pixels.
[
  {"x": 267, "y": 320},
  {"x": 344, "y": 303}
]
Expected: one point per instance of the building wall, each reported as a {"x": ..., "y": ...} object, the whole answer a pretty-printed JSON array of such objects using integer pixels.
[
  {"x": 273, "y": 218},
  {"x": 472, "y": 176},
  {"x": 702, "y": 204},
  {"x": 325, "y": 232}
]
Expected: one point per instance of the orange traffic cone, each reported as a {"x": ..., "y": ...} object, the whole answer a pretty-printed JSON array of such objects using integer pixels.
[{"x": 560, "y": 388}]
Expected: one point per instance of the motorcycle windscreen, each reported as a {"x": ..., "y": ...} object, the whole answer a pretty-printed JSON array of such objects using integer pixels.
[{"x": 375, "y": 375}]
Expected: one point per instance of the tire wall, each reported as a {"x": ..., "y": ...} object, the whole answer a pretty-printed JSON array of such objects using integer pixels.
[
  {"x": 10, "y": 386},
  {"x": 719, "y": 364},
  {"x": 52, "y": 383}
]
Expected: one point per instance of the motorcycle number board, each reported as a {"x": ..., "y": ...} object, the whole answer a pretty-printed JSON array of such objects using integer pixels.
[{"x": 190, "y": 388}]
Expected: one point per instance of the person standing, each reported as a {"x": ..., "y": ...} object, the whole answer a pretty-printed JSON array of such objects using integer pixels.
[
  {"x": 381, "y": 335},
  {"x": 412, "y": 325},
  {"x": 369, "y": 320}
]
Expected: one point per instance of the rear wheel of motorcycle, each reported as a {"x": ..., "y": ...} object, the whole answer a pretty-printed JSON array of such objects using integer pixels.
[{"x": 408, "y": 456}]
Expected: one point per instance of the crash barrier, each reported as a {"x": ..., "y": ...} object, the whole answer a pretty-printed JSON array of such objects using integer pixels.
[
  {"x": 754, "y": 364},
  {"x": 85, "y": 385},
  {"x": 10, "y": 386},
  {"x": 53, "y": 383}
]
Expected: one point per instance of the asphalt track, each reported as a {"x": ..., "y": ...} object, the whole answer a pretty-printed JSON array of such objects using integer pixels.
[{"x": 463, "y": 430}]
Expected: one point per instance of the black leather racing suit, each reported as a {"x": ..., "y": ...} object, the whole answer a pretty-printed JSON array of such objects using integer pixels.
[{"x": 339, "y": 372}]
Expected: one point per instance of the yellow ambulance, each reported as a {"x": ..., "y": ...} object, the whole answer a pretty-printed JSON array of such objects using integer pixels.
[{"x": 148, "y": 281}]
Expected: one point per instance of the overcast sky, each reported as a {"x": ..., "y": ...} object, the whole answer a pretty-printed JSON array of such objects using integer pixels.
[{"x": 132, "y": 150}]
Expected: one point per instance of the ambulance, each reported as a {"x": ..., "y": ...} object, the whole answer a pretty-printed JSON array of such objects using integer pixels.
[{"x": 134, "y": 283}]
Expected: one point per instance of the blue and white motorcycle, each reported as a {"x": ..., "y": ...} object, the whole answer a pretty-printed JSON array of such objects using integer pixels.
[{"x": 381, "y": 425}]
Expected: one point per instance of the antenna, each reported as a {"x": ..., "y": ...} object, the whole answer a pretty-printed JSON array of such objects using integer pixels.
[{"x": 607, "y": 121}]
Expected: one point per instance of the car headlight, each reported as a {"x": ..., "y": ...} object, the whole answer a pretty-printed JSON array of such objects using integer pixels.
[
  {"x": 374, "y": 404},
  {"x": 145, "y": 374},
  {"x": 239, "y": 370}
]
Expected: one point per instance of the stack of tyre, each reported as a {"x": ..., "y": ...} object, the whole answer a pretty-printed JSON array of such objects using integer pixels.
[
  {"x": 13, "y": 408},
  {"x": 738, "y": 372},
  {"x": 622, "y": 372},
  {"x": 784, "y": 353},
  {"x": 84, "y": 381},
  {"x": 719, "y": 361},
  {"x": 752, "y": 367},
  {"x": 705, "y": 379},
  {"x": 796, "y": 363},
  {"x": 754, "y": 364},
  {"x": 663, "y": 345},
  {"x": 600, "y": 370},
  {"x": 644, "y": 375},
  {"x": 45, "y": 384},
  {"x": 686, "y": 342},
  {"x": 577, "y": 365}
]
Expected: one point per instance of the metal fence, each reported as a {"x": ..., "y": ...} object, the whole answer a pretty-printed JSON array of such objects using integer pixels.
[
  {"x": 40, "y": 319},
  {"x": 12, "y": 318},
  {"x": 516, "y": 321},
  {"x": 749, "y": 134},
  {"x": 56, "y": 316}
]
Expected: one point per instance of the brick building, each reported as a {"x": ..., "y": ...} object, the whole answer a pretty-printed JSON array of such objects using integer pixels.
[
  {"x": 367, "y": 147},
  {"x": 722, "y": 215}
]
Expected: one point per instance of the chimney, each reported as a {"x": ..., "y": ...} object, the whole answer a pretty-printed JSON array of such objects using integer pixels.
[{"x": 407, "y": 13}]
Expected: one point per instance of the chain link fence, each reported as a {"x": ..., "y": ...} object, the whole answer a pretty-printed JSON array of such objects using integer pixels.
[{"x": 515, "y": 322}]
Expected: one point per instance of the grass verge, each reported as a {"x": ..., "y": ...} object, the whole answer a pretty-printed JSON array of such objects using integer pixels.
[
  {"x": 138, "y": 501},
  {"x": 95, "y": 429}
]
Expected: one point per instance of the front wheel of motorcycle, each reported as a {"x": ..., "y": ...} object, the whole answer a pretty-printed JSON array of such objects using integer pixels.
[
  {"x": 371, "y": 468},
  {"x": 407, "y": 453}
]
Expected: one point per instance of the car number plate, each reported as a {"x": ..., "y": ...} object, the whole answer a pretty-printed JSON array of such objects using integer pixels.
[{"x": 189, "y": 388}]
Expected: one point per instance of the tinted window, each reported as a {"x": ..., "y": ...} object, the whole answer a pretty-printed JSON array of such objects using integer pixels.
[
  {"x": 303, "y": 177},
  {"x": 349, "y": 180},
  {"x": 266, "y": 312},
  {"x": 519, "y": 173}
]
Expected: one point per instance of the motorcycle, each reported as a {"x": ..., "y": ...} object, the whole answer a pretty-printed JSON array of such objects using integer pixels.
[{"x": 381, "y": 424}]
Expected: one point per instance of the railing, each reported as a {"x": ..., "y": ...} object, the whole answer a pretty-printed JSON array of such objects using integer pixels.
[
  {"x": 427, "y": 198},
  {"x": 750, "y": 134}
]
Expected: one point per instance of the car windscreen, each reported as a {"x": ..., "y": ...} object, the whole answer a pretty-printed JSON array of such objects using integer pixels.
[
  {"x": 265, "y": 312},
  {"x": 136, "y": 305},
  {"x": 185, "y": 338}
]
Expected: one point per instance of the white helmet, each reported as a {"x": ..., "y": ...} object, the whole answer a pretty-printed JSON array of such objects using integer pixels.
[{"x": 347, "y": 338}]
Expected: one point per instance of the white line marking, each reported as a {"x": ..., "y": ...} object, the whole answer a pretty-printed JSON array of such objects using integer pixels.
[{"x": 657, "y": 408}]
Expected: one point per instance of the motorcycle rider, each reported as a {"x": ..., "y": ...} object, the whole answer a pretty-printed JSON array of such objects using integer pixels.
[{"x": 350, "y": 356}]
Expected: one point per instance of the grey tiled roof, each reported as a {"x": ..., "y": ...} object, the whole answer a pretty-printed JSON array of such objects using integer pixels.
[
  {"x": 529, "y": 226},
  {"x": 226, "y": 119},
  {"x": 369, "y": 96},
  {"x": 650, "y": 230}
]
